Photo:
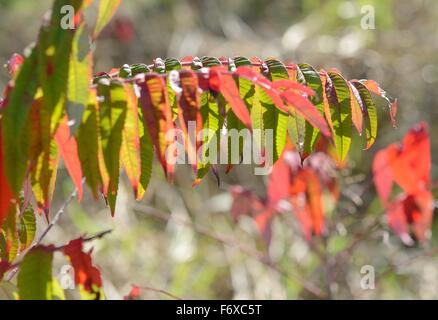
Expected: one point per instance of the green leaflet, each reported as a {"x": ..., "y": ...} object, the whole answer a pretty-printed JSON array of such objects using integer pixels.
[
  {"x": 312, "y": 79},
  {"x": 15, "y": 122},
  {"x": 9, "y": 237},
  {"x": 88, "y": 136},
  {"x": 79, "y": 77},
  {"x": 339, "y": 101},
  {"x": 212, "y": 121},
  {"x": 113, "y": 106},
  {"x": 35, "y": 275},
  {"x": 43, "y": 176},
  {"x": 296, "y": 127},
  {"x": 273, "y": 118},
  {"x": 27, "y": 228},
  {"x": 107, "y": 8},
  {"x": 130, "y": 149},
  {"x": 146, "y": 155},
  {"x": 234, "y": 125},
  {"x": 54, "y": 52},
  {"x": 370, "y": 113},
  {"x": 172, "y": 64}
]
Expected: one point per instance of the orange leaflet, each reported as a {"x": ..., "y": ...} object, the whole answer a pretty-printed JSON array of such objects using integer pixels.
[
  {"x": 86, "y": 274},
  {"x": 314, "y": 199},
  {"x": 326, "y": 81},
  {"x": 375, "y": 88},
  {"x": 158, "y": 117},
  {"x": 356, "y": 108},
  {"x": 68, "y": 149},
  {"x": 222, "y": 81}
]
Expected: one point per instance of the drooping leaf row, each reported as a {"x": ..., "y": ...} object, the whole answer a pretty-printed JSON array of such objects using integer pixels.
[{"x": 53, "y": 107}]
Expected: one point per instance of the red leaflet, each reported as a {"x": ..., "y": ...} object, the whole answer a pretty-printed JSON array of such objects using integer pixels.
[
  {"x": 409, "y": 166},
  {"x": 189, "y": 112},
  {"x": 280, "y": 178},
  {"x": 158, "y": 117},
  {"x": 263, "y": 82},
  {"x": 382, "y": 173},
  {"x": 14, "y": 63},
  {"x": 307, "y": 110},
  {"x": 222, "y": 81},
  {"x": 134, "y": 294},
  {"x": 86, "y": 274},
  {"x": 417, "y": 143},
  {"x": 68, "y": 149},
  {"x": 302, "y": 186},
  {"x": 5, "y": 190},
  {"x": 4, "y": 266}
]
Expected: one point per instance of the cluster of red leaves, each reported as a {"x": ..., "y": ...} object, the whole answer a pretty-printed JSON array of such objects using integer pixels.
[
  {"x": 293, "y": 185},
  {"x": 407, "y": 164},
  {"x": 86, "y": 274}
]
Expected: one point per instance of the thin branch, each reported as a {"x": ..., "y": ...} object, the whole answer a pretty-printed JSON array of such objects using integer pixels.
[
  {"x": 52, "y": 223},
  {"x": 163, "y": 216},
  {"x": 56, "y": 218},
  {"x": 14, "y": 267},
  {"x": 171, "y": 295},
  {"x": 88, "y": 239}
]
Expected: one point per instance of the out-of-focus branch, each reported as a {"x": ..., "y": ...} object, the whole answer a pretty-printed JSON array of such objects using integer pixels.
[
  {"x": 171, "y": 295},
  {"x": 163, "y": 216}
]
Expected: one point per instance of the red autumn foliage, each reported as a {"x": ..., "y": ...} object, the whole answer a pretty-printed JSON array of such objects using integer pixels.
[
  {"x": 408, "y": 165},
  {"x": 293, "y": 184},
  {"x": 86, "y": 274}
]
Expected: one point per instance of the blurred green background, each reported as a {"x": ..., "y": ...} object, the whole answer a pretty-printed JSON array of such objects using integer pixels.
[{"x": 183, "y": 240}]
